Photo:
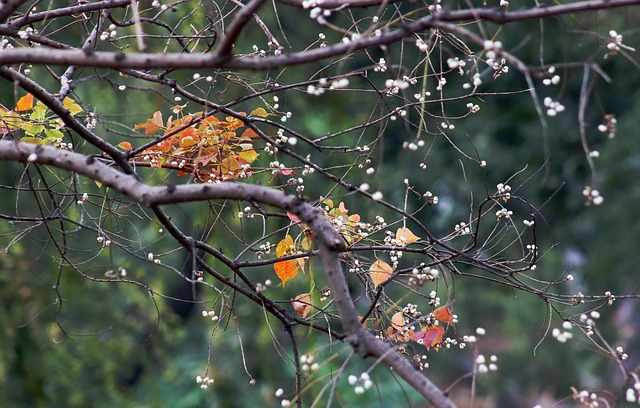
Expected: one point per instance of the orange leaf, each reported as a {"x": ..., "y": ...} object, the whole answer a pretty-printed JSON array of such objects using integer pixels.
[
  {"x": 285, "y": 247},
  {"x": 443, "y": 313},
  {"x": 151, "y": 127},
  {"x": 125, "y": 146},
  {"x": 286, "y": 270},
  {"x": 25, "y": 103},
  {"x": 398, "y": 321},
  {"x": 405, "y": 236},
  {"x": 380, "y": 271},
  {"x": 249, "y": 133},
  {"x": 302, "y": 304}
]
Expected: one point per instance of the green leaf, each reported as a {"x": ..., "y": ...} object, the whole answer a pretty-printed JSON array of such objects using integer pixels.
[{"x": 53, "y": 134}]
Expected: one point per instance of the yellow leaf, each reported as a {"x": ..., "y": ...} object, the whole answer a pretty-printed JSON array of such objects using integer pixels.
[
  {"x": 380, "y": 272},
  {"x": 405, "y": 236},
  {"x": 285, "y": 247},
  {"x": 10, "y": 120},
  {"x": 187, "y": 141},
  {"x": 25, "y": 103},
  {"x": 71, "y": 106},
  {"x": 286, "y": 270},
  {"x": 229, "y": 165},
  {"x": 248, "y": 155},
  {"x": 259, "y": 112},
  {"x": 302, "y": 304},
  {"x": 32, "y": 140}
]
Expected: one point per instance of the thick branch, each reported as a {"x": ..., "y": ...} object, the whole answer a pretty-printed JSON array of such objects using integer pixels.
[
  {"x": 8, "y": 7},
  {"x": 65, "y": 11},
  {"x": 222, "y": 60},
  {"x": 330, "y": 4},
  {"x": 331, "y": 243}
]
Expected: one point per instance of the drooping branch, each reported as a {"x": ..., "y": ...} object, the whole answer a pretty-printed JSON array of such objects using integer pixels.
[{"x": 330, "y": 242}]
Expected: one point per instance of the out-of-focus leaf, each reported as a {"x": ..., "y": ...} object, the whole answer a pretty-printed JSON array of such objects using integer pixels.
[
  {"x": 380, "y": 271},
  {"x": 443, "y": 313},
  {"x": 405, "y": 236},
  {"x": 302, "y": 304},
  {"x": 125, "y": 146}
]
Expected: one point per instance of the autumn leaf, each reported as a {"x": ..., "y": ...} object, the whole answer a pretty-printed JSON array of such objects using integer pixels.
[
  {"x": 259, "y": 112},
  {"x": 71, "y": 106},
  {"x": 25, "y": 103},
  {"x": 229, "y": 165},
  {"x": 285, "y": 247},
  {"x": 286, "y": 270},
  {"x": 398, "y": 321},
  {"x": 302, "y": 262},
  {"x": 31, "y": 140},
  {"x": 187, "y": 141},
  {"x": 249, "y": 133},
  {"x": 398, "y": 330},
  {"x": 443, "y": 314},
  {"x": 380, "y": 271},
  {"x": 155, "y": 124},
  {"x": 429, "y": 336},
  {"x": 125, "y": 146},
  {"x": 293, "y": 217},
  {"x": 9, "y": 120},
  {"x": 405, "y": 236},
  {"x": 302, "y": 304},
  {"x": 248, "y": 155}
]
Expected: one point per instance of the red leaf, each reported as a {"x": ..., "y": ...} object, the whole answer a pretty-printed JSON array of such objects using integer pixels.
[
  {"x": 293, "y": 217},
  {"x": 430, "y": 336},
  {"x": 125, "y": 146}
]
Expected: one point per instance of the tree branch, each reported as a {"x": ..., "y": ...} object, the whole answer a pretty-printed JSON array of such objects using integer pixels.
[
  {"x": 221, "y": 58},
  {"x": 331, "y": 243}
]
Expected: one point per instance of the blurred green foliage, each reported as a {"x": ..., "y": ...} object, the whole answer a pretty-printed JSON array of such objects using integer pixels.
[{"x": 106, "y": 344}]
